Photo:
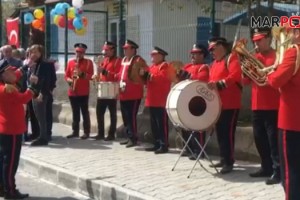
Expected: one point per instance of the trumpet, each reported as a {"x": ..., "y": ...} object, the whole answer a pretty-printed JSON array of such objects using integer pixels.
[{"x": 75, "y": 76}]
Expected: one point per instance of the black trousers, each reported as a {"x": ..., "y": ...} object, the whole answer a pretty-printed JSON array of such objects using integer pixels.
[
  {"x": 129, "y": 110},
  {"x": 30, "y": 115},
  {"x": 101, "y": 106},
  {"x": 225, "y": 127},
  {"x": 289, "y": 154},
  {"x": 159, "y": 126},
  {"x": 199, "y": 136},
  {"x": 10, "y": 149},
  {"x": 266, "y": 138},
  {"x": 80, "y": 104}
]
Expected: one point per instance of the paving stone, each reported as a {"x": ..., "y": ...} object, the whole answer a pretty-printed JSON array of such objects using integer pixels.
[{"x": 107, "y": 170}]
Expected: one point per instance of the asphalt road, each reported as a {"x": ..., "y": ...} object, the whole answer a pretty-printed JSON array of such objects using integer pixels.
[{"x": 42, "y": 190}]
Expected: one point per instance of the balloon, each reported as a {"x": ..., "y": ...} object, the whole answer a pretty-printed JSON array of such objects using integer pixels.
[
  {"x": 38, "y": 13},
  {"x": 80, "y": 31},
  {"x": 53, "y": 12},
  {"x": 84, "y": 21},
  {"x": 42, "y": 28},
  {"x": 55, "y": 19},
  {"x": 61, "y": 21},
  {"x": 70, "y": 24},
  {"x": 71, "y": 13},
  {"x": 28, "y": 18},
  {"x": 65, "y": 6},
  {"x": 59, "y": 9},
  {"x": 77, "y": 3},
  {"x": 43, "y": 19},
  {"x": 77, "y": 23},
  {"x": 36, "y": 24}
]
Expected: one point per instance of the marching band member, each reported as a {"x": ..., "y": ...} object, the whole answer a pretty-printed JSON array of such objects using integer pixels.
[
  {"x": 78, "y": 75},
  {"x": 265, "y": 103},
  {"x": 12, "y": 127},
  {"x": 287, "y": 79},
  {"x": 130, "y": 93},
  {"x": 157, "y": 79},
  {"x": 107, "y": 70},
  {"x": 225, "y": 76},
  {"x": 196, "y": 70}
]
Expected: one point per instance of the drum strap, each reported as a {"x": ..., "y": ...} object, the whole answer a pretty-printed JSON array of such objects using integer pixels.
[{"x": 125, "y": 65}]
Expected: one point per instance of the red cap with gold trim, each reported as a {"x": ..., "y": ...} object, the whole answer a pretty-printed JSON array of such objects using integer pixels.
[{"x": 260, "y": 33}]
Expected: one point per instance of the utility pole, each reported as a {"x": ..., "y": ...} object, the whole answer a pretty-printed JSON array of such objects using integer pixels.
[
  {"x": 1, "y": 21},
  {"x": 121, "y": 27},
  {"x": 212, "y": 13}
]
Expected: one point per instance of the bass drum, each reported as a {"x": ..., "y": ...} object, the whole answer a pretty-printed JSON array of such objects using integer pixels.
[{"x": 191, "y": 105}]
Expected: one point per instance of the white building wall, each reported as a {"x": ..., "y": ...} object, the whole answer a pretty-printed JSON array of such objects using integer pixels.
[
  {"x": 175, "y": 27},
  {"x": 139, "y": 25}
]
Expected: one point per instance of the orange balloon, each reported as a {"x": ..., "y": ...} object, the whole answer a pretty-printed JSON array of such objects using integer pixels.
[
  {"x": 84, "y": 21},
  {"x": 36, "y": 23},
  {"x": 42, "y": 28}
]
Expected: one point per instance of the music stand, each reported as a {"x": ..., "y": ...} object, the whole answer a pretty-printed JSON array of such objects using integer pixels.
[{"x": 186, "y": 146}]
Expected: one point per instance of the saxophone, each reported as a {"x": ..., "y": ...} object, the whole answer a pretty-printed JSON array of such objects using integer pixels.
[
  {"x": 75, "y": 76},
  {"x": 252, "y": 67}
]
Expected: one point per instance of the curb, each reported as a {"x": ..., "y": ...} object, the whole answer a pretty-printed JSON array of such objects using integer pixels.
[{"x": 93, "y": 188}]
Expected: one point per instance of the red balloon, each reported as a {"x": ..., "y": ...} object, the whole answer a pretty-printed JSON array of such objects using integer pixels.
[
  {"x": 36, "y": 24},
  {"x": 70, "y": 24},
  {"x": 43, "y": 19},
  {"x": 61, "y": 21},
  {"x": 84, "y": 21}
]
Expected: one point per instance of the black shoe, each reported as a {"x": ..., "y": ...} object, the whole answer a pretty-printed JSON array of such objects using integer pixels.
[
  {"x": 260, "y": 173},
  {"x": 98, "y": 137},
  {"x": 161, "y": 150},
  {"x": 131, "y": 143},
  {"x": 73, "y": 135},
  {"x": 186, "y": 154},
  {"x": 124, "y": 142},
  {"x": 194, "y": 156},
  {"x": 15, "y": 195},
  {"x": 85, "y": 136},
  {"x": 274, "y": 179},
  {"x": 219, "y": 164},
  {"x": 109, "y": 138},
  {"x": 154, "y": 148},
  {"x": 226, "y": 169},
  {"x": 39, "y": 142}
]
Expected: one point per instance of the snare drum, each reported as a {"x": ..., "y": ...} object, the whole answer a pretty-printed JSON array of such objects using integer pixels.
[
  {"x": 108, "y": 90},
  {"x": 191, "y": 105}
]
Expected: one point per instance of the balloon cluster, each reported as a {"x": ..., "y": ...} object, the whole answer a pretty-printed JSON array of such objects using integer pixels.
[
  {"x": 76, "y": 21},
  {"x": 37, "y": 19}
]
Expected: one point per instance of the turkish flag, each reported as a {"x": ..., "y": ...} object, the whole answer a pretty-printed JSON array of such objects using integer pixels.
[{"x": 12, "y": 31}]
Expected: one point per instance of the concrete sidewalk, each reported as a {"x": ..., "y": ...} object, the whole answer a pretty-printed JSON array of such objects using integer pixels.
[{"x": 107, "y": 170}]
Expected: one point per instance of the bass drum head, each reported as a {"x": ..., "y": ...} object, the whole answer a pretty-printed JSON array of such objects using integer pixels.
[{"x": 193, "y": 106}]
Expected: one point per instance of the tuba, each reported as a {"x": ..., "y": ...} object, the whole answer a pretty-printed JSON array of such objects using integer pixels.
[{"x": 252, "y": 67}]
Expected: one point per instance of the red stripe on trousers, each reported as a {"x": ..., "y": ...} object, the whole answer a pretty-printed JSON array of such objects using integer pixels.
[
  {"x": 286, "y": 168},
  {"x": 11, "y": 164},
  {"x": 166, "y": 128},
  {"x": 231, "y": 134},
  {"x": 134, "y": 118}
]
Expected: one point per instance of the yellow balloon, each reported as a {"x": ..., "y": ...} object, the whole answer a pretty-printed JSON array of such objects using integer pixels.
[
  {"x": 38, "y": 14},
  {"x": 80, "y": 31},
  {"x": 71, "y": 13},
  {"x": 56, "y": 19}
]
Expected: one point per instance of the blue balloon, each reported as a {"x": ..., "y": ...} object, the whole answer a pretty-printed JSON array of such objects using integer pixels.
[
  {"x": 28, "y": 18},
  {"x": 77, "y": 23},
  {"x": 59, "y": 9},
  {"x": 65, "y": 6},
  {"x": 53, "y": 12}
]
